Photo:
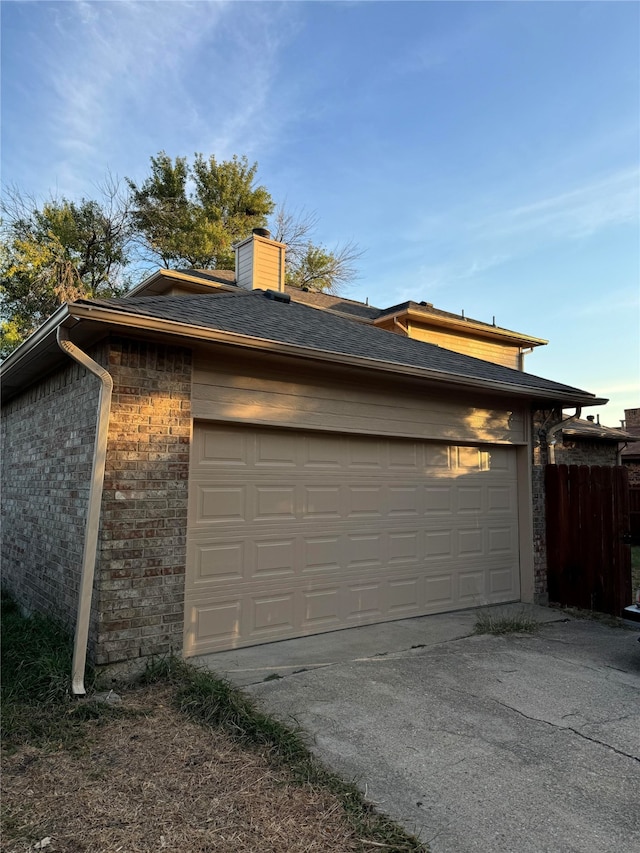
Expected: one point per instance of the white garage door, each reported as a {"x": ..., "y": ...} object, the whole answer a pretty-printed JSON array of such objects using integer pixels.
[{"x": 295, "y": 533}]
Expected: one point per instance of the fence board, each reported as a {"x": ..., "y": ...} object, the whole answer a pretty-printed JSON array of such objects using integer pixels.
[{"x": 634, "y": 511}]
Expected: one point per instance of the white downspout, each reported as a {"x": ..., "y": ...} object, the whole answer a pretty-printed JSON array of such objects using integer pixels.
[
  {"x": 92, "y": 523},
  {"x": 621, "y": 447},
  {"x": 551, "y": 434},
  {"x": 521, "y": 356},
  {"x": 397, "y": 323}
]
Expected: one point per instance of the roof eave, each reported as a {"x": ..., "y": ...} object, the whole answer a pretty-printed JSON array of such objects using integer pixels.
[
  {"x": 186, "y": 330},
  {"x": 74, "y": 313},
  {"x": 200, "y": 285},
  {"x": 461, "y": 325}
]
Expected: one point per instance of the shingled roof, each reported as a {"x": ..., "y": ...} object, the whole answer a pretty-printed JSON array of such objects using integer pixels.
[{"x": 250, "y": 314}]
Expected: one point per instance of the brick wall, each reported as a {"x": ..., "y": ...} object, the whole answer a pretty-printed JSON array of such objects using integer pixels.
[
  {"x": 144, "y": 512},
  {"x": 632, "y": 418},
  {"x": 541, "y": 421},
  {"x": 586, "y": 452},
  {"x": 48, "y": 438},
  {"x": 48, "y": 435},
  {"x": 630, "y": 454},
  {"x": 633, "y": 470}
]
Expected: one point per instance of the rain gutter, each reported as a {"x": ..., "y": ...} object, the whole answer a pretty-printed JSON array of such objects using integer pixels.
[{"x": 92, "y": 523}]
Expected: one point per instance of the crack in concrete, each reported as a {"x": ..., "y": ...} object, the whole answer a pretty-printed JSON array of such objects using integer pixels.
[
  {"x": 567, "y": 729},
  {"x": 377, "y": 656}
]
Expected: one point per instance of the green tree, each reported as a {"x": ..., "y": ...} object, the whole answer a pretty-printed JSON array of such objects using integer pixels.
[
  {"x": 191, "y": 215},
  {"x": 56, "y": 252},
  {"x": 182, "y": 215}
]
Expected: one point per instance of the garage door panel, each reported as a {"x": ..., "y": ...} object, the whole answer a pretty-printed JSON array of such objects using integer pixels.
[
  {"x": 405, "y": 501},
  {"x": 365, "y": 502},
  {"x": 275, "y": 503},
  {"x": 501, "y": 499},
  {"x": 272, "y": 613},
  {"x": 404, "y": 547},
  {"x": 276, "y": 450},
  {"x": 500, "y": 540},
  {"x": 364, "y": 601},
  {"x": 471, "y": 587},
  {"x": 217, "y": 561},
  {"x": 225, "y": 449},
  {"x": 471, "y": 542},
  {"x": 322, "y": 454},
  {"x": 274, "y": 558},
  {"x": 308, "y": 533},
  {"x": 403, "y": 596},
  {"x": 322, "y": 608},
  {"x": 322, "y": 502},
  {"x": 437, "y": 499},
  {"x": 438, "y": 592},
  {"x": 501, "y": 582}
]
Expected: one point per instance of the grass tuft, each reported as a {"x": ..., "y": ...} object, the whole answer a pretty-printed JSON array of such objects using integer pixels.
[{"x": 493, "y": 623}]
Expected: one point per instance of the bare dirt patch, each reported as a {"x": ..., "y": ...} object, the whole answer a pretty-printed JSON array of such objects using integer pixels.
[{"x": 162, "y": 782}]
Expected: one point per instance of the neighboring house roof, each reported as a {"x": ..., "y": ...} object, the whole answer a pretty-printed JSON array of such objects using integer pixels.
[
  {"x": 631, "y": 453},
  {"x": 585, "y": 429}
]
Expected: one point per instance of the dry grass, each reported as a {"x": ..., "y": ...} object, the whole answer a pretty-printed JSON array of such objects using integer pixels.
[
  {"x": 162, "y": 782},
  {"x": 490, "y": 622},
  {"x": 187, "y": 762}
]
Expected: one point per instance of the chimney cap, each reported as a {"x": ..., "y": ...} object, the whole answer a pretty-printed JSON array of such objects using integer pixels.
[{"x": 262, "y": 232}]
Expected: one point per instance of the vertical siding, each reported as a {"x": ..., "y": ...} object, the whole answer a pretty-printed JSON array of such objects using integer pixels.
[
  {"x": 260, "y": 264},
  {"x": 244, "y": 265}
]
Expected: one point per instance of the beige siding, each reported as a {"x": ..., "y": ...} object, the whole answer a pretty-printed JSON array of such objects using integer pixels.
[
  {"x": 269, "y": 266},
  {"x": 293, "y": 534},
  {"x": 275, "y": 396},
  {"x": 505, "y": 354},
  {"x": 260, "y": 264}
]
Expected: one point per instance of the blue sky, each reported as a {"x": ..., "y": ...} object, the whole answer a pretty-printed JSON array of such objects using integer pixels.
[{"x": 484, "y": 155}]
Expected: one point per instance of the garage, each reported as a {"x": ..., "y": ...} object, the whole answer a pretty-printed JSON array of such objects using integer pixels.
[{"x": 295, "y": 532}]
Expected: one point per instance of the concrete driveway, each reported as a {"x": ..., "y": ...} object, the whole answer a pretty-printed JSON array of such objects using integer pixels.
[{"x": 523, "y": 743}]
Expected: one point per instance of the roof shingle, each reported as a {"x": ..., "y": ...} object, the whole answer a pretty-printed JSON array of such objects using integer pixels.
[{"x": 249, "y": 313}]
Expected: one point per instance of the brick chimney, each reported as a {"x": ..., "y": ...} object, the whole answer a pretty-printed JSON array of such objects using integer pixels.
[
  {"x": 260, "y": 262},
  {"x": 632, "y": 417}
]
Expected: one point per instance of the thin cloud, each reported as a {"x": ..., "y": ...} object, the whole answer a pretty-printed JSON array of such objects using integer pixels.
[
  {"x": 611, "y": 303},
  {"x": 140, "y": 71},
  {"x": 580, "y": 212}
]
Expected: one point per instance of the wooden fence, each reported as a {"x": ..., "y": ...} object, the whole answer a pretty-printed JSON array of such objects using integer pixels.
[
  {"x": 634, "y": 513},
  {"x": 587, "y": 511}
]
